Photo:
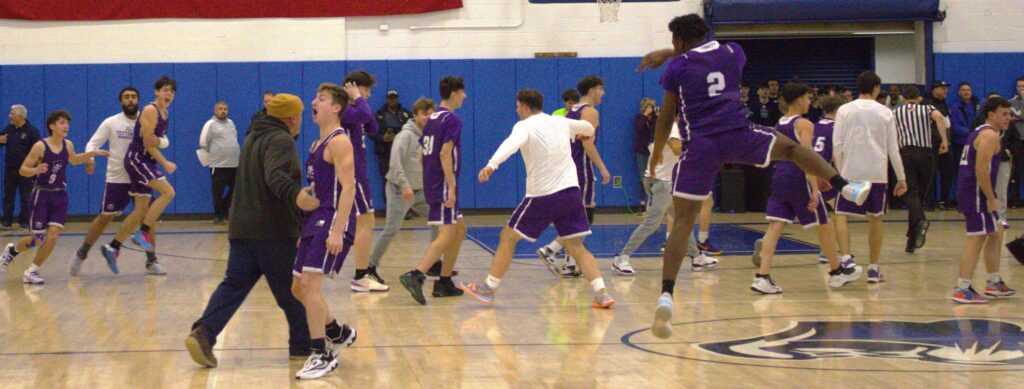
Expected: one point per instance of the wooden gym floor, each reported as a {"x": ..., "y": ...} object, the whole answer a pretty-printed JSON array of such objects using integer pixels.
[{"x": 117, "y": 331}]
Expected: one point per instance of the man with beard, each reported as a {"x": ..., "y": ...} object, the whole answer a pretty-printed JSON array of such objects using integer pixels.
[
  {"x": 219, "y": 139},
  {"x": 118, "y": 191}
]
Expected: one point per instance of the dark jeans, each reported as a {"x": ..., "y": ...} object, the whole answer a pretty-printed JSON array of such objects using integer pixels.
[
  {"x": 247, "y": 261},
  {"x": 222, "y": 178},
  {"x": 15, "y": 184},
  {"x": 948, "y": 164},
  {"x": 919, "y": 166}
]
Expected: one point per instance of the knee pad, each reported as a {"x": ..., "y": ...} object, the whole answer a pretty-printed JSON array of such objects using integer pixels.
[
  {"x": 36, "y": 239},
  {"x": 590, "y": 216}
]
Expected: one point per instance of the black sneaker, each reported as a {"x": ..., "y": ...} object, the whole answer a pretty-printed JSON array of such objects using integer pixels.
[
  {"x": 922, "y": 233},
  {"x": 413, "y": 282},
  {"x": 911, "y": 246},
  {"x": 435, "y": 271},
  {"x": 446, "y": 289},
  {"x": 343, "y": 335}
]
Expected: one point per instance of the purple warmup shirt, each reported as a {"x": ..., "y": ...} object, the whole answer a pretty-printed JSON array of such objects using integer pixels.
[
  {"x": 706, "y": 81},
  {"x": 442, "y": 127}
]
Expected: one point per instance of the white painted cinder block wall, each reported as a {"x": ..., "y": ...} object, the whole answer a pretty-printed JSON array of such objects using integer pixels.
[{"x": 482, "y": 29}]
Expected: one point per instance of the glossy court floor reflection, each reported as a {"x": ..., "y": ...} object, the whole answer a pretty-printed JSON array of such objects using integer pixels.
[{"x": 104, "y": 330}]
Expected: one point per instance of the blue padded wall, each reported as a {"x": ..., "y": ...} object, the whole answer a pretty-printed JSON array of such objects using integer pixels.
[{"x": 90, "y": 92}]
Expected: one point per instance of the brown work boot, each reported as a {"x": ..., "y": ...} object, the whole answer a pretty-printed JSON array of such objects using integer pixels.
[{"x": 199, "y": 348}]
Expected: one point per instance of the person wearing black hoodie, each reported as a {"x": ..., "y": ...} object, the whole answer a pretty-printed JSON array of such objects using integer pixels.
[{"x": 263, "y": 231}]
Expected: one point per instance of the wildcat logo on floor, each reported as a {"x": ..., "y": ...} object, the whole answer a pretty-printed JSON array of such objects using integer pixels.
[{"x": 960, "y": 342}]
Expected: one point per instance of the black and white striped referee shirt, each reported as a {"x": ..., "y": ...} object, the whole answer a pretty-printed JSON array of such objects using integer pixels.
[{"x": 914, "y": 125}]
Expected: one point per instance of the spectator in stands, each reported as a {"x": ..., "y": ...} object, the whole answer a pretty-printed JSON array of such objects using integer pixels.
[
  {"x": 1009, "y": 140},
  {"x": 895, "y": 98},
  {"x": 19, "y": 137},
  {"x": 845, "y": 93},
  {"x": 962, "y": 112},
  {"x": 643, "y": 128},
  {"x": 219, "y": 138},
  {"x": 261, "y": 113},
  {"x": 745, "y": 98},
  {"x": 947, "y": 161},
  {"x": 570, "y": 97},
  {"x": 390, "y": 119},
  {"x": 773, "y": 92},
  {"x": 1017, "y": 110},
  {"x": 766, "y": 111},
  {"x": 816, "y": 113}
]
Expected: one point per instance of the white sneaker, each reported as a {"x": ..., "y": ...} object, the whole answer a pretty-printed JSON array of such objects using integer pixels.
[
  {"x": 702, "y": 262},
  {"x": 570, "y": 270},
  {"x": 662, "y": 326},
  {"x": 367, "y": 284},
  {"x": 845, "y": 276},
  {"x": 32, "y": 277},
  {"x": 551, "y": 259},
  {"x": 318, "y": 365},
  {"x": 6, "y": 258},
  {"x": 621, "y": 265},
  {"x": 857, "y": 192},
  {"x": 822, "y": 258},
  {"x": 76, "y": 266},
  {"x": 756, "y": 257},
  {"x": 765, "y": 285},
  {"x": 155, "y": 269}
]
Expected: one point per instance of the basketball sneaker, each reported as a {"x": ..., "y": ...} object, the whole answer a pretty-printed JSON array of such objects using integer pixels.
[
  {"x": 844, "y": 275},
  {"x": 662, "y": 326},
  {"x": 32, "y": 277},
  {"x": 413, "y": 282},
  {"x": 446, "y": 289},
  {"x": 551, "y": 259},
  {"x": 765, "y": 285},
  {"x": 998, "y": 289},
  {"x": 199, "y": 348},
  {"x": 968, "y": 296},
  {"x": 144, "y": 240},
  {"x": 875, "y": 276},
  {"x": 155, "y": 269},
  {"x": 621, "y": 265},
  {"x": 111, "y": 254},
  {"x": 702, "y": 262},
  {"x": 341, "y": 335},
  {"x": 6, "y": 258},
  {"x": 570, "y": 269},
  {"x": 479, "y": 291},
  {"x": 435, "y": 270},
  {"x": 318, "y": 365},
  {"x": 372, "y": 273},
  {"x": 706, "y": 247},
  {"x": 857, "y": 192},
  {"x": 367, "y": 284},
  {"x": 76, "y": 266},
  {"x": 756, "y": 257},
  {"x": 603, "y": 301}
]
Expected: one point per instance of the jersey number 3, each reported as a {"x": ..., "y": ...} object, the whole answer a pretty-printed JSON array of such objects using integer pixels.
[{"x": 716, "y": 84}]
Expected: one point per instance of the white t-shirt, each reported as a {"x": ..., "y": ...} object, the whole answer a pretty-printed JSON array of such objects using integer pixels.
[
  {"x": 119, "y": 131},
  {"x": 865, "y": 141},
  {"x": 663, "y": 172},
  {"x": 544, "y": 142}
]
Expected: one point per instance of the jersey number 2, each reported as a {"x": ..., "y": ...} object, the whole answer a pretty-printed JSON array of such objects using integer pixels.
[{"x": 716, "y": 84}]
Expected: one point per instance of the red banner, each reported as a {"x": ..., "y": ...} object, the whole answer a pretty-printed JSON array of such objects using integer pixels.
[{"x": 222, "y": 9}]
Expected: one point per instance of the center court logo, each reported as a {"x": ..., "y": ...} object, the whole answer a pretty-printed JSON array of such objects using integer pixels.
[{"x": 977, "y": 342}]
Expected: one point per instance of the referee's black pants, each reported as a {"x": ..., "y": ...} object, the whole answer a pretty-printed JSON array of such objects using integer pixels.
[{"x": 919, "y": 166}]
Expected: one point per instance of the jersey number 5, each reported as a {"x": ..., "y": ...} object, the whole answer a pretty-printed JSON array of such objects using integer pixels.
[
  {"x": 716, "y": 84},
  {"x": 819, "y": 144}
]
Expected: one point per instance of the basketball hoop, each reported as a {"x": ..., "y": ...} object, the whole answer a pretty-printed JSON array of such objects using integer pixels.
[{"x": 609, "y": 10}]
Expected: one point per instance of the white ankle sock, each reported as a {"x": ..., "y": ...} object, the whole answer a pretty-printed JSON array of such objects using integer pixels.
[
  {"x": 32, "y": 268},
  {"x": 702, "y": 236},
  {"x": 554, "y": 246},
  {"x": 993, "y": 278},
  {"x": 963, "y": 283},
  {"x": 873, "y": 267},
  {"x": 492, "y": 281},
  {"x": 597, "y": 284}
]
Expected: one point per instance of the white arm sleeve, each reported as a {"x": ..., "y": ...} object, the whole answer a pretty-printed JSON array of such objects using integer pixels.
[
  {"x": 99, "y": 137},
  {"x": 509, "y": 147}
]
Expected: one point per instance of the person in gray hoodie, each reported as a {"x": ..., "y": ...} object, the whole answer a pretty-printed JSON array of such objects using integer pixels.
[{"x": 404, "y": 187}]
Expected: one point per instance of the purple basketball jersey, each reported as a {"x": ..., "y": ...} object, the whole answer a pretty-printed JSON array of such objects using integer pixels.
[
  {"x": 788, "y": 178},
  {"x": 355, "y": 120},
  {"x": 584, "y": 166},
  {"x": 823, "y": 138},
  {"x": 326, "y": 187},
  {"x": 443, "y": 126},
  {"x": 137, "y": 147},
  {"x": 968, "y": 193},
  {"x": 706, "y": 80},
  {"x": 57, "y": 163}
]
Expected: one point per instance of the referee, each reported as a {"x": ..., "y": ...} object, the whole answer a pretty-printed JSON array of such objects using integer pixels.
[{"x": 914, "y": 131}]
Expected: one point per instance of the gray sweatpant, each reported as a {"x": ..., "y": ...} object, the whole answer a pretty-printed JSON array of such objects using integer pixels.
[
  {"x": 660, "y": 203},
  {"x": 397, "y": 208}
]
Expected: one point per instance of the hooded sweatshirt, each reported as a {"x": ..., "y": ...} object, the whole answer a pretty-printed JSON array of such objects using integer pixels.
[{"x": 269, "y": 179}]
